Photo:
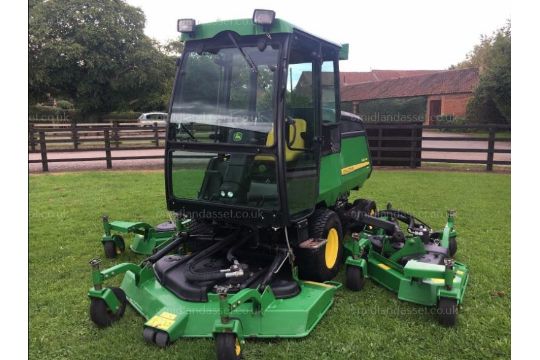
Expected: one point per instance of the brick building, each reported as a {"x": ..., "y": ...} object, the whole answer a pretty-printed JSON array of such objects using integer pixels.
[{"x": 439, "y": 92}]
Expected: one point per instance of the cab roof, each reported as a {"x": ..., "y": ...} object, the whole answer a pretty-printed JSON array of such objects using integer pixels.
[{"x": 246, "y": 27}]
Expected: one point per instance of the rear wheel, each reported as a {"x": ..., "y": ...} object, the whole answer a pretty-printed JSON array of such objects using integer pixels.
[
  {"x": 364, "y": 206},
  {"x": 367, "y": 206},
  {"x": 228, "y": 347},
  {"x": 322, "y": 263}
]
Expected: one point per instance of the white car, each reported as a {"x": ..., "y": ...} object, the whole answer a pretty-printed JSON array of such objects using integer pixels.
[{"x": 148, "y": 119}]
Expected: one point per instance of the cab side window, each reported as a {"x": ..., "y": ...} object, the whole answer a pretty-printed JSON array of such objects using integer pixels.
[{"x": 328, "y": 90}]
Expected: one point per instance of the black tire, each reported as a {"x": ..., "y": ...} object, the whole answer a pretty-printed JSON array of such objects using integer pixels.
[
  {"x": 120, "y": 244},
  {"x": 366, "y": 205},
  {"x": 149, "y": 334},
  {"x": 199, "y": 228},
  {"x": 452, "y": 246},
  {"x": 354, "y": 278},
  {"x": 101, "y": 315},
  {"x": 109, "y": 247},
  {"x": 114, "y": 247},
  {"x": 161, "y": 339},
  {"x": 314, "y": 263},
  {"x": 228, "y": 347},
  {"x": 447, "y": 311}
]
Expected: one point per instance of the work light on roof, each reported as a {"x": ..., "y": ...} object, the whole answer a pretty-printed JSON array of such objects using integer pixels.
[
  {"x": 186, "y": 25},
  {"x": 263, "y": 17}
]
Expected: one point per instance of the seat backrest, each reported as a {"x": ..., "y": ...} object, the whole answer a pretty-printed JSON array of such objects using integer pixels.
[{"x": 296, "y": 139}]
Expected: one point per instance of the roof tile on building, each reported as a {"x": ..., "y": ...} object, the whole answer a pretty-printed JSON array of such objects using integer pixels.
[
  {"x": 348, "y": 78},
  {"x": 442, "y": 82}
]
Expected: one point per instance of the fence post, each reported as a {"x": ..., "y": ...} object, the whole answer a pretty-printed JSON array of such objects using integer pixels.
[
  {"x": 491, "y": 148},
  {"x": 31, "y": 135},
  {"x": 156, "y": 134},
  {"x": 107, "y": 148},
  {"x": 74, "y": 135},
  {"x": 43, "y": 150},
  {"x": 379, "y": 144},
  {"x": 414, "y": 139},
  {"x": 116, "y": 136}
]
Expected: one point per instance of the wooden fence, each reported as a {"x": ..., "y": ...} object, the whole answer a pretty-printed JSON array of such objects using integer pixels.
[
  {"x": 394, "y": 144},
  {"x": 391, "y": 144}
]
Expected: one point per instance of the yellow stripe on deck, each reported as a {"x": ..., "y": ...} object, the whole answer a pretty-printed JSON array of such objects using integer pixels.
[
  {"x": 383, "y": 266},
  {"x": 318, "y": 284},
  {"x": 350, "y": 169}
]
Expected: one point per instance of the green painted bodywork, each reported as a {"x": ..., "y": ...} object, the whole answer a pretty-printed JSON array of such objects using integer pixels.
[
  {"x": 248, "y": 313},
  {"x": 417, "y": 282},
  {"x": 239, "y": 26},
  {"x": 333, "y": 185},
  {"x": 246, "y": 27},
  {"x": 145, "y": 240}
]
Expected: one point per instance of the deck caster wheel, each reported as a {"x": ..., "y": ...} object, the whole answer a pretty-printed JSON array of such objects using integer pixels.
[
  {"x": 354, "y": 278},
  {"x": 149, "y": 334},
  {"x": 447, "y": 311},
  {"x": 101, "y": 315},
  {"x": 452, "y": 246},
  {"x": 228, "y": 347},
  {"x": 162, "y": 339},
  {"x": 114, "y": 247}
]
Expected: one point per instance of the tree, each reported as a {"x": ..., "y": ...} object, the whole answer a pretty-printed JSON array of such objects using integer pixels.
[
  {"x": 97, "y": 55},
  {"x": 491, "y": 101}
]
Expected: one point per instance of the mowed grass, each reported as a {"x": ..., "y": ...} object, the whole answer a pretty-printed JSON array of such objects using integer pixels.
[{"x": 65, "y": 229}]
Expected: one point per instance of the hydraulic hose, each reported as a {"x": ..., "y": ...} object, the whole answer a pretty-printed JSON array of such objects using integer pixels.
[
  {"x": 214, "y": 275},
  {"x": 281, "y": 256}
]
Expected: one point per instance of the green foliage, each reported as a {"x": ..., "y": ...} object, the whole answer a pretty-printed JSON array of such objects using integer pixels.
[
  {"x": 64, "y": 104},
  {"x": 123, "y": 115},
  {"x": 403, "y": 109},
  {"x": 96, "y": 54},
  {"x": 491, "y": 102}
]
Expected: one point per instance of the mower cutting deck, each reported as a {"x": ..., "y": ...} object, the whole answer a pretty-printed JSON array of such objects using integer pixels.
[
  {"x": 419, "y": 267},
  {"x": 146, "y": 237}
]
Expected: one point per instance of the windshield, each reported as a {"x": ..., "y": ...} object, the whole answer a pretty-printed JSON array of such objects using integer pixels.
[{"x": 225, "y": 94}]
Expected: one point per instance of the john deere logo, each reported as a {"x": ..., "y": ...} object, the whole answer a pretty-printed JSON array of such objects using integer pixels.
[{"x": 237, "y": 136}]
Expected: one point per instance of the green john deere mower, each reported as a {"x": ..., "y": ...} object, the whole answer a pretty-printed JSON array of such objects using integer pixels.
[{"x": 265, "y": 229}]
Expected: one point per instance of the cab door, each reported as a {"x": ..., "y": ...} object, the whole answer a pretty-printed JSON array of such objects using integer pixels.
[{"x": 302, "y": 125}]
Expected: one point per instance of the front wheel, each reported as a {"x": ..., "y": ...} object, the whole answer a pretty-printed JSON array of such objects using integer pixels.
[
  {"x": 228, "y": 347},
  {"x": 321, "y": 263}
]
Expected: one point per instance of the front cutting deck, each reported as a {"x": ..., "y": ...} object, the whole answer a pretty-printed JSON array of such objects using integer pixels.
[{"x": 262, "y": 317}]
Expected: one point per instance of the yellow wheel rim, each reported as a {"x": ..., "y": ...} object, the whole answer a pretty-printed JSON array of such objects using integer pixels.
[
  {"x": 237, "y": 348},
  {"x": 332, "y": 248},
  {"x": 371, "y": 213}
]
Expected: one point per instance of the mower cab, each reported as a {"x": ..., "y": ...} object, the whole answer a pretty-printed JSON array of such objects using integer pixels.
[{"x": 262, "y": 224}]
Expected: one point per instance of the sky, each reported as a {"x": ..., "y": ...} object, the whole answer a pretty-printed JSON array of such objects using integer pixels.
[{"x": 395, "y": 35}]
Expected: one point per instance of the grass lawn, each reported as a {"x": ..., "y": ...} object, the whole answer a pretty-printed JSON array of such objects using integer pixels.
[{"x": 64, "y": 234}]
